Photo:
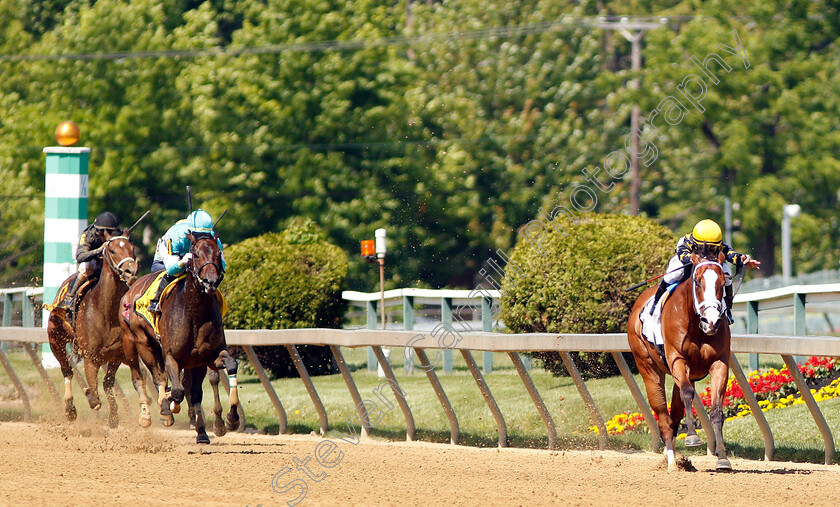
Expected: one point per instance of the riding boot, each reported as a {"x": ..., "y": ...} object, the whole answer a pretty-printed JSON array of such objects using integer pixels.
[
  {"x": 69, "y": 301},
  {"x": 727, "y": 300},
  {"x": 154, "y": 303},
  {"x": 663, "y": 286}
]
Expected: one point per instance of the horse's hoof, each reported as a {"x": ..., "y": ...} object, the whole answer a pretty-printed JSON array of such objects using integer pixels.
[
  {"x": 167, "y": 421},
  {"x": 232, "y": 420},
  {"x": 723, "y": 465},
  {"x": 144, "y": 422},
  {"x": 70, "y": 411},
  {"x": 693, "y": 441},
  {"x": 93, "y": 399},
  {"x": 219, "y": 427},
  {"x": 175, "y": 407},
  {"x": 113, "y": 422},
  {"x": 202, "y": 437}
]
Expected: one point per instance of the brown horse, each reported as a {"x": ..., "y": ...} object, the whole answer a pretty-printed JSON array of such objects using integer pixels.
[
  {"x": 192, "y": 339},
  {"x": 696, "y": 345},
  {"x": 96, "y": 336}
]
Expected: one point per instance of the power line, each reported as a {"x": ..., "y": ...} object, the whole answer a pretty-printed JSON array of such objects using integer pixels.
[
  {"x": 292, "y": 147},
  {"x": 562, "y": 23}
]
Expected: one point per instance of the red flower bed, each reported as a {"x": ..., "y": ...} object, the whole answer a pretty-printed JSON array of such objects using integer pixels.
[
  {"x": 772, "y": 388},
  {"x": 774, "y": 385}
]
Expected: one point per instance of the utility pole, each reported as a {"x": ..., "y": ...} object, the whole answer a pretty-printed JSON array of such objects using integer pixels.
[
  {"x": 633, "y": 31},
  {"x": 636, "y": 65},
  {"x": 409, "y": 20}
]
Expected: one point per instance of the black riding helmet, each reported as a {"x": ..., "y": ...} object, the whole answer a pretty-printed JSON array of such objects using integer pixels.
[{"x": 106, "y": 220}]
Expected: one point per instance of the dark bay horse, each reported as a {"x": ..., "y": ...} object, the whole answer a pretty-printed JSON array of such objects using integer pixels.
[
  {"x": 97, "y": 336},
  {"x": 192, "y": 339},
  {"x": 697, "y": 344}
]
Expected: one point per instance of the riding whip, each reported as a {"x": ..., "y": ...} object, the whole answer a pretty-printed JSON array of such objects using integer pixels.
[
  {"x": 137, "y": 222},
  {"x": 220, "y": 217},
  {"x": 189, "y": 198},
  {"x": 642, "y": 284}
]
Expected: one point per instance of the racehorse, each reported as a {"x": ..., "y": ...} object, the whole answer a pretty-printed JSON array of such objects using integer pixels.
[
  {"x": 696, "y": 344},
  {"x": 96, "y": 337},
  {"x": 191, "y": 338}
]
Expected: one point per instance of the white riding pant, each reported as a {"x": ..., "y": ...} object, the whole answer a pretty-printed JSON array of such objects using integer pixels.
[
  {"x": 88, "y": 267},
  {"x": 674, "y": 274}
]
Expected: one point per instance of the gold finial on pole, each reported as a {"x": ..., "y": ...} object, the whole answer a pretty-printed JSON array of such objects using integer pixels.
[{"x": 67, "y": 133}]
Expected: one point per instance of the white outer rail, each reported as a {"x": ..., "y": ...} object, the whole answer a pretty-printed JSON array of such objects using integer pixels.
[
  {"x": 824, "y": 297},
  {"x": 786, "y": 346}
]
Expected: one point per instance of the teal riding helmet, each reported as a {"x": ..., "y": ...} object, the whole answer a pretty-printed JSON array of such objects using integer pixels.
[{"x": 200, "y": 221}]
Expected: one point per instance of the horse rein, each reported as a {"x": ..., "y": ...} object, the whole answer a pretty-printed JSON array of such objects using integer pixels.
[
  {"x": 701, "y": 306},
  {"x": 116, "y": 266}
]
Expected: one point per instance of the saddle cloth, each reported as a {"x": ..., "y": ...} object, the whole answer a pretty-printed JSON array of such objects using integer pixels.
[
  {"x": 141, "y": 305},
  {"x": 62, "y": 293},
  {"x": 652, "y": 324}
]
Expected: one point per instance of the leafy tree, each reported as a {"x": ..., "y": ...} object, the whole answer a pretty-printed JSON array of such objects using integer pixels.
[
  {"x": 291, "y": 279},
  {"x": 764, "y": 137},
  {"x": 574, "y": 282},
  {"x": 451, "y": 138}
]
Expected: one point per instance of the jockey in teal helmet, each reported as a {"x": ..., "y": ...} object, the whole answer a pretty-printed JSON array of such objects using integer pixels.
[
  {"x": 200, "y": 221},
  {"x": 173, "y": 250}
]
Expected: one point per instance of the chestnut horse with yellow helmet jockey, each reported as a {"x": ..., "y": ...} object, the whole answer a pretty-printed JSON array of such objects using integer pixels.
[{"x": 695, "y": 340}]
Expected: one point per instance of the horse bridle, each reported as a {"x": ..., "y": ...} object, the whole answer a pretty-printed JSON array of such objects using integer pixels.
[
  {"x": 196, "y": 272},
  {"x": 701, "y": 306},
  {"x": 116, "y": 266}
]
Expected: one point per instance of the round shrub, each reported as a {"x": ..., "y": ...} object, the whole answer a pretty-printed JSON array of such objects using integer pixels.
[
  {"x": 576, "y": 284},
  {"x": 290, "y": 279}
]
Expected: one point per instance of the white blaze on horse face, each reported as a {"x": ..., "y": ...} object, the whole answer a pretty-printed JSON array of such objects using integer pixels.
[{"x": 711, "y": 305}]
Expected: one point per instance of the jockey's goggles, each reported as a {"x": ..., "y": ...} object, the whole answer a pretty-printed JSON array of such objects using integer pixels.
[{"x": 710, "y": 246}]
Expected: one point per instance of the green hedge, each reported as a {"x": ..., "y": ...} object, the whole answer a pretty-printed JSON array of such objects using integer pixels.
[
  {"x": 291, "y": 279},
  {"x": 577, "y": 286}
]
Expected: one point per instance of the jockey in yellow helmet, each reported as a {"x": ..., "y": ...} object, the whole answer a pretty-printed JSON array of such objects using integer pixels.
[{"x": 706, "y": 238}]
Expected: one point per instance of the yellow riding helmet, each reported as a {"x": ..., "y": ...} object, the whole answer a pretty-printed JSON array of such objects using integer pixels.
[{"x": 707, "y": 231}]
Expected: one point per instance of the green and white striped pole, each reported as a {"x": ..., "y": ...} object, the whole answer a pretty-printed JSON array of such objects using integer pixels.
[{"x": 65, "y": 215}]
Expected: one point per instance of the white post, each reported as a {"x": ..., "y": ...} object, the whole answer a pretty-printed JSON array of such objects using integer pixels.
[
  {"x": 727, "y": 219},
  {"x": 379, "y": 234},
  {"x": 788, "y": 211},
  {"x": 65, "y": 217}
]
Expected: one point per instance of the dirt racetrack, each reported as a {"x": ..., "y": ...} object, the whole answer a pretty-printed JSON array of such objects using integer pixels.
[{"x": 84, "y": 463}]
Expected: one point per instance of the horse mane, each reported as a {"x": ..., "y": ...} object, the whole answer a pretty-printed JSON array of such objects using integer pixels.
[{"x": 202, "y": 235}]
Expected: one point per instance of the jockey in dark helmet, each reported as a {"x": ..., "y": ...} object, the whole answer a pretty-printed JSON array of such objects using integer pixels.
[
  {"x": 89, "y": 252},
  {"x": 705, "y": 239}
]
